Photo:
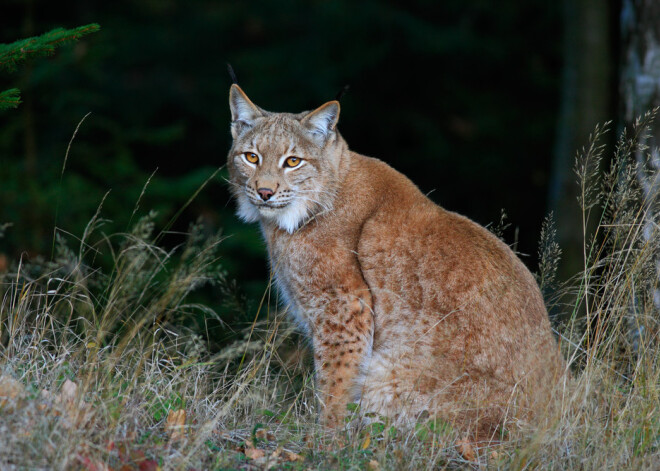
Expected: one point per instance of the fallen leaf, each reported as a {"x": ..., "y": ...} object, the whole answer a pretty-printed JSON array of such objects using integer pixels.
[
  {"x": 176, "y": 421},
  {"x": 89, "y": 464},
  {"x": 254, "y": 453},
  {"x": 261, "y": 434},
  {"x": 366, "y": 442},
  {"x": 466, "y": 450},
  {"x": 69, "y": 391},
  {"x": 309, "y": 441},
  {"x": 149, "y": 465},
  {"x": 291, "y": 456}
]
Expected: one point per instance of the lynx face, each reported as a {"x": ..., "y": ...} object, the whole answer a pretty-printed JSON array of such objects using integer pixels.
[{"x": 282, "y": 165}]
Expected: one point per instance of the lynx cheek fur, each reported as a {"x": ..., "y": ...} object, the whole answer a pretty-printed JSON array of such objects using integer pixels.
[{"x": 410, "y": 308}]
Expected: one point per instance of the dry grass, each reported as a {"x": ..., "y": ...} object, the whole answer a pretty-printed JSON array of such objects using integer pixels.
[{"x": 97, "y": 372}]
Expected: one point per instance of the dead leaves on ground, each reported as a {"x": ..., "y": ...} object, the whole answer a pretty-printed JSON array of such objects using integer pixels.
[
  {"x": 130, "y": 459},
  {"x": 175, "y": 424},
  {"x": 277, "y": 457},
  {"x": 263, "y": 457},
  {"x": 465, "y": 449},
  {"x": 373, "y": 465}
]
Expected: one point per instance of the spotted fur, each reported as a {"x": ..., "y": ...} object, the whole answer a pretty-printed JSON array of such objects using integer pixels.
[{"x": 409, "y": 307}]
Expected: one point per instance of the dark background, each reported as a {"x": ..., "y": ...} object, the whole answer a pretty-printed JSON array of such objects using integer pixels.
[{"x": 463, "y": 96}]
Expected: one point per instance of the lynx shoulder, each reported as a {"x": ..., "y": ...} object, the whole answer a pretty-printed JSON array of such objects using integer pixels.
[{"x": 409, "y": 307}]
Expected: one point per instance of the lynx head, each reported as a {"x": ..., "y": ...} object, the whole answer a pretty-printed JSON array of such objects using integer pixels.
[{"x": 283, "y": 167}]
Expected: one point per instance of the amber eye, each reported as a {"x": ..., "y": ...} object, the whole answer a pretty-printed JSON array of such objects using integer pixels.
[
  {"x": 292, "y": 162},
  {"x": 251, "y": 157}
]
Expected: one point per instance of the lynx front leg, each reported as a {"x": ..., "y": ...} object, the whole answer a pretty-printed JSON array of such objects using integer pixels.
[{"x": 342, "y": 341}]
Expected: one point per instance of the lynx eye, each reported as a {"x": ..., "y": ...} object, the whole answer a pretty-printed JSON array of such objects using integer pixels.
[
  {"x": 292, "y": 162},
  {"x": 251, "y": 157}
]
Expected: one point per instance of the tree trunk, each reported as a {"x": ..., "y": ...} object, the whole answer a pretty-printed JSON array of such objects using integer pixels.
[
  {"x": 640, "y": 92},
  {"x": 585, "y": 102}
]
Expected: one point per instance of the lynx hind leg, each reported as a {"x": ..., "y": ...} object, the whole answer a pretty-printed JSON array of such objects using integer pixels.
[
  {"x": 474, "y": 409},
  {"x": 488, "y": 411},
  {"x": 461, "y": 418}
]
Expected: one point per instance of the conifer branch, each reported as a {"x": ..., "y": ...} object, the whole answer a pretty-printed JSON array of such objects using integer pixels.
[
  {"x": 44, "y": 45},
  {"x": 10, "y": 99}
]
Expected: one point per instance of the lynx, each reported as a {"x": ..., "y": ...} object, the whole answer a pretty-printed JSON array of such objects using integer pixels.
[{"x": 411, "y": 309}]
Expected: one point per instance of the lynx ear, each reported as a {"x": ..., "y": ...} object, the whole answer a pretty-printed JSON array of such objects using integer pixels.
[
  {"x": 322, "y": 121},
  {"x": 243, "y": 111}
]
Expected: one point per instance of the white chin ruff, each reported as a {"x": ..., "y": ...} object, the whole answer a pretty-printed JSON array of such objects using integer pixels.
[
  {"x": 288, "y": 218},
  {"x": 246, "y": 210},
  {"x": 291, "y": 217}
]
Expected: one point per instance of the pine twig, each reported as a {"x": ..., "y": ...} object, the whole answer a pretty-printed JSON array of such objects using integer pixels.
[
  {"x": 44, "y": 45},
  {"x": 10, "y": 99}
]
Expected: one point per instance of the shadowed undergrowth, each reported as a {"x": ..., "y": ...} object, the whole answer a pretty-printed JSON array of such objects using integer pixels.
[{"x": 108, "y": 366}]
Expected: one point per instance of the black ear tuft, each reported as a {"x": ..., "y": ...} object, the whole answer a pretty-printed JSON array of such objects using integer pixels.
[
  {"x": 342, "y": 92},
  {"x": 232, "y": 74}
]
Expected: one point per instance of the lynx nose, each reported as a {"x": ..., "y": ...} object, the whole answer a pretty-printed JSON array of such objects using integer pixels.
[{"x": 265, "y": 193}]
